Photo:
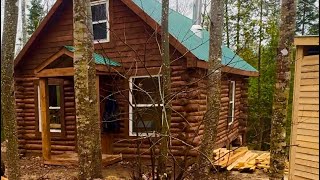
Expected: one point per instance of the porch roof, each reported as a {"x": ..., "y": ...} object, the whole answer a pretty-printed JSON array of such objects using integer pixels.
[{"x": 99, "y": 59}]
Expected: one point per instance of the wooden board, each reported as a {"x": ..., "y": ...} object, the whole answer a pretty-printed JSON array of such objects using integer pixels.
[
  {"x": 72, "y": 159},
  {"x": 304, "y": 143}
]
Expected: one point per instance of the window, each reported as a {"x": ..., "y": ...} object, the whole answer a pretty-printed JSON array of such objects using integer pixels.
[
  {"x": 100, "y": 20},
  {"x": 232, "y": 89},
  {"x": 145, "y": 109},
  {"x": 56, "y": 111}
]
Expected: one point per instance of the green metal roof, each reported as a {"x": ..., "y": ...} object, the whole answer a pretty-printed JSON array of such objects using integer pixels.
[
  {"x": 179, "y": 27},
  {"x": 99, "y": 59}
]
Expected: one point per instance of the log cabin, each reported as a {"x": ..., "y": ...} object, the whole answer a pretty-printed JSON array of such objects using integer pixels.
[{"x": 128, "y": 64}]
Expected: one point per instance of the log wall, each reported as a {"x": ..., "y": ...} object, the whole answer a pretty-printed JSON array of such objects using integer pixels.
[
  {"x": 135, "y": 45},
  {"x": 27, "y": 116}
]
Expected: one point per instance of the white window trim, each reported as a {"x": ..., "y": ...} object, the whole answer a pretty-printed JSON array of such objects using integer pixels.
[
  {"x": 131, "y": 133},
  {"x": 107, "y": 21},
  {"x": 233, "y": 101},
  {"x": 39, "y": 112}
]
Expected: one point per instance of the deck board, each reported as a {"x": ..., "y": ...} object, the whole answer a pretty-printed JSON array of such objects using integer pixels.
[{"x": 68, "y": 159}]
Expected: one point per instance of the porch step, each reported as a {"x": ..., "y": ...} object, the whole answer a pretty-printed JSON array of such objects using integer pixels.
[{"x": 68, "y": 159}]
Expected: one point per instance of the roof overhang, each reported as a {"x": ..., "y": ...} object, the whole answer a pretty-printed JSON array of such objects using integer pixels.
[
  {"x": 192, "y": 60},
  {"x": 155, "y": 26},
  {"x": 306, "y": 41},
  {"x": 36, "y": 33},
  {"x": 41, "y": 71},
  {"x": 195, "y": 63}
]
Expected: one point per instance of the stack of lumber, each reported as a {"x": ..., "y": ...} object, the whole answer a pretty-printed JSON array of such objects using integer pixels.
[
  {"x": 243, "y": 160},
  {"x": 226, "y": 157},
  {"x": 263, "y": 161}
]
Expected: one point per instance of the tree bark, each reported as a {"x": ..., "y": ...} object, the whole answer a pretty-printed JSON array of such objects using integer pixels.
[
  {"x": 8, "y": 111},
  {"x": 88, "y": 123},
  {"x": 280, "y": 98},
  {"x": 211, "y": 117},
  {"x": 238, "y": 26},
  {"x": 261, "y": 122},
  {"x": 227, "y": 23},
  {"x": 23, "y": 22},
  {"x": 166, "y": 81},
  {"x": 303, "y": 18}
]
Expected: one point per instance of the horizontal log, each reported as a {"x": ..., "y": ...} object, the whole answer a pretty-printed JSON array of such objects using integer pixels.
[
  {"x": 178, "y": 108},
  {"x": 70, "y": 127},
  {"x": 180, "y": 102},
  {"x": 177, "y": 119},
  {"x": 70, "y": 118},
  {"x": 193, "y": 119},
  {"x": 199, "y": 113},
  {"x": 195, "y": 108}
]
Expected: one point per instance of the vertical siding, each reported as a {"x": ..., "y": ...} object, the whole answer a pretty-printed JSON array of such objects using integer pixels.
[{"x": 304, "y": 155}]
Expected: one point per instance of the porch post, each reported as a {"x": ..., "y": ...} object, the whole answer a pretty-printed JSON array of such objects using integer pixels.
[{"x": 45, "y": 121}]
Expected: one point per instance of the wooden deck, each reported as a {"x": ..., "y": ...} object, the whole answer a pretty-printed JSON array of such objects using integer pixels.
[{"x": 72, "y": 159}]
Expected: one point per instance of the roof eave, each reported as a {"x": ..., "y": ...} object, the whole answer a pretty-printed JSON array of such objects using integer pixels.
[
  {"x": 37, "y": 32},
  {"x": 196, "y": 63},
  {"x": 157, "y": 27}
]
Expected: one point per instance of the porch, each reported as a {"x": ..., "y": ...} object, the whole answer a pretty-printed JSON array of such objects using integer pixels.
[
  {"x": 67, "y": 159},
  {"x": 53, "y": 74}
]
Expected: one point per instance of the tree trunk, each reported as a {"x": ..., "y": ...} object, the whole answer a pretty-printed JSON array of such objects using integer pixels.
[
  {"x": 166, "y": 81},
  {"x": 261, "y": 122},
  {"x": 238, "y": 26},
  {"x": 227, "y": 23},
  {"x": 211, "y": 117},
  {"x": 23, "y": 22},
  {"x": 88, "y": 123},
  {"x": 8, "y": 111},
  {"x": 280, "y": 98},
  {"x": 303, "y": 18}
]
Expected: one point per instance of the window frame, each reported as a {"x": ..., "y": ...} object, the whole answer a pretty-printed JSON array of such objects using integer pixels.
[
  {"x": 232, "y": 100},
  {"x": 107, "y": 21},
  {"x": 54, "y": 132},
  {"x": 142, "y": 134}
]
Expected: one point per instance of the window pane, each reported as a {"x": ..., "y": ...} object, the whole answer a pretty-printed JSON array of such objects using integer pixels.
[
  {"x": 54, "y": 115},
  {"x": 147, "y": 87},
  {"x": 145, "y": 119},
  {"x": 54, "y": 106},
  {"x": 230, "y": 112},
  {"x": 230, "y": 91},
  {"x": 99, "y": 12},
  {"x": 100, "y": 31},
  {"x": 54, "y": 96}
]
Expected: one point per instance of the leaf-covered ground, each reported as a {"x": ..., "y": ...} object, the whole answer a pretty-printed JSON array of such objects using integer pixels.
[{"x": 33, "y": 169}]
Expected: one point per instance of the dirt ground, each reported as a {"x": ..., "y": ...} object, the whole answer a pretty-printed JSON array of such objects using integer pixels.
[{"x": 33, "y": 169}]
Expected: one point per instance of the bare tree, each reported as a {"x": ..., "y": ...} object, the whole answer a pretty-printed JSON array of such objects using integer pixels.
[
  {"x": 211, "y": 117},
  {"x": 227, "y": 23},
  {"x": 23, "y": 22},
  {"x": 280, "y": 98},
  {"x": 88, "y": 123},
  {"x": 8, "y": 111},
  {"x": 166, "y": 76},
  {"x": 238, "y": 25},
  {"x": 261, "y": 122}
]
